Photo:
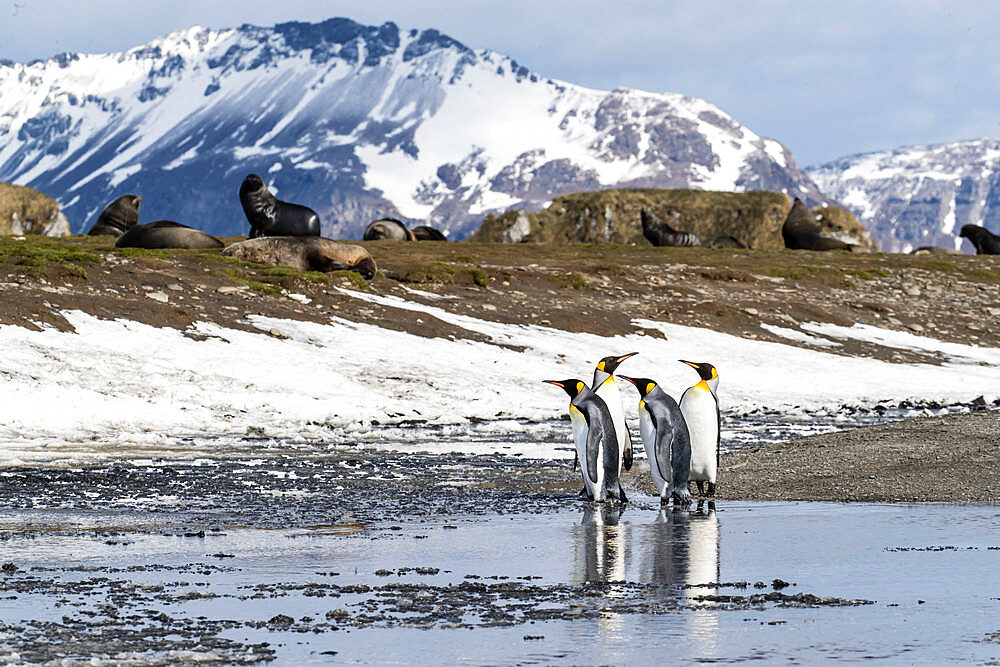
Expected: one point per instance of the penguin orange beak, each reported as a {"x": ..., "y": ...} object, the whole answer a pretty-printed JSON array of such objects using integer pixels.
[
  {"x": 557, "y": 383},
  {"x": 630, "y": 354},
  {"x": 689, "y": 363},
  {"x": 625, "y": 377}
]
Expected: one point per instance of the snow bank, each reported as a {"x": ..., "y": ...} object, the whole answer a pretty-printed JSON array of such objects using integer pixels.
[{"x": 115, "y": 387}]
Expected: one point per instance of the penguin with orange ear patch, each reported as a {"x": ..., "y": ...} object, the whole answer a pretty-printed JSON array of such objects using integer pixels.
[
  {"x": 700, "y": 408},
  {"x": 666, "y": 440},
  {"x": 606, "y": 387},
  {"x": 596, "y": 443}
]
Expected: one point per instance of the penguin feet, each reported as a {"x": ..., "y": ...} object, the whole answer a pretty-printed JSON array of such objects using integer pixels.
[
  {"x": 681, "y": 496},
  {"x": 583, "y": 493},
  {"x": 711, "y": 489},
  {"x": 621, "y": 494},
  {"x": 701, "y": 487}
]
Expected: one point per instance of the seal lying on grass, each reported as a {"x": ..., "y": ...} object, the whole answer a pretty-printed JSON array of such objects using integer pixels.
[
  {"x": 117, "y": 217},
  {"x": 306, "y": 253},
  {"x": 167, "y": 234},
  {"x": 388, "y": 228},
  {"x": 394, "y": 230},
  {"x": 801, "y": 232},
  {"x": 428, "y": 233},
  {"x": 659, "y": 233}
]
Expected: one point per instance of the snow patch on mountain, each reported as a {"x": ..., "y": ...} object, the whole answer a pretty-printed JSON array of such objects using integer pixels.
[{"x": 357, "y": 122}]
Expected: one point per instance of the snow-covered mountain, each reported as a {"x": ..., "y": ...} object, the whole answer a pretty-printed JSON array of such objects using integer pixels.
[
  {"x": 357, "y": 122},
  {"x": 919, "y": 195}
]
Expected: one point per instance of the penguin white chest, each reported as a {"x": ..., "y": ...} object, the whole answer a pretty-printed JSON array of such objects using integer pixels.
[
  {"x": 701, "y": 412},
  {"x": 580, "y": 432},
  {"x": 609, "y": 393}
]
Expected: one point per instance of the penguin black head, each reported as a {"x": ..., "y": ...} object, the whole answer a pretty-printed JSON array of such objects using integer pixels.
[
  {"x": 644, "y": 385},
  {"x": 610, "y": 364},
  {"x": 705, "y": 370},
  {"x": 572, "y": 387}
]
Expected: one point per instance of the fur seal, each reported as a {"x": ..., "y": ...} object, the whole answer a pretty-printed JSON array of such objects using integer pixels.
[
  {"x": 659, "y": 233},
  {"x": 801, "y": 231},
  {"x": 934, "y": 250},
  {"x": 167, "y": 234},
  {"x": 306, "y": 253},
  {"x": 388, "y": 228},
  {"x": 269, "y": 216},
  {"x": 729, "y": 242},
  {"x": 428, "y": 233},
  {"x": 117, "y": 217},
  {"x": 985, "y": 241}
]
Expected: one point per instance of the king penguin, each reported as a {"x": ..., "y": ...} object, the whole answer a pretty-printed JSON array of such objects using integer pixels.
[
  {"x": 700, "y": 407},
  {"x": 594, "y": 436},
  {"x": 666, "y": 440},
  {"x": 606, "y": 387}
]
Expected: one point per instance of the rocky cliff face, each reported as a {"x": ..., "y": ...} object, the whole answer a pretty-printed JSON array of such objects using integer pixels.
[
  {"x": 919, "y": 195},
  {"x": 27, "y": 211},
  {"x": 358, "y": 122},
  {"x": 612, "y": 216}
]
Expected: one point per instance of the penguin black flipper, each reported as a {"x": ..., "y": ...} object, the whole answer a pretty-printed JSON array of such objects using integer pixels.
[
  {"x": 664, "y": 444},
  {"x": 627, "y": 454},
  {"x": 595, "y": 435},
  {"x": 621, "y": 493}
]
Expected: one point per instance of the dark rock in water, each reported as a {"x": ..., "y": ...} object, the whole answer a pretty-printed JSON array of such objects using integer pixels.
[
  {"x": 802, "y": 232},
  {"x": 728, "y": 242},
  {"x": 428, "y": 233},
  {"x": 659, "y": 233},
  {"x": 388, "y": 228},
  {"x": 985, "y": 241},
  {"x": 167, "y": 234},
  {"x": 306, "y": 253},
  {"x": 117, "y": 217}
]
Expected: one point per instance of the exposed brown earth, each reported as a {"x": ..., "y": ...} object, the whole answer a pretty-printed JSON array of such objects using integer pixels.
[{"x": 599, "y": 289}]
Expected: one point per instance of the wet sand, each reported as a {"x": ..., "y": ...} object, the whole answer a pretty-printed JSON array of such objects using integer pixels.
[{"x": 947, "y": 459}]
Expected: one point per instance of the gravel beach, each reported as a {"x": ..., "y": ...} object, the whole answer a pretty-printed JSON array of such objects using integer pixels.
[{"x": 942, "y": 459}]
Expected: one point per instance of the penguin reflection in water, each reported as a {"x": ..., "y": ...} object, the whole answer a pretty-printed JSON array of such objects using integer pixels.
[
  {"x": 700, "y": 407},
  {"x": 666, "y": 440},
  {"x": 596, "y": 443},
  {"x": 601, "y": 544}
]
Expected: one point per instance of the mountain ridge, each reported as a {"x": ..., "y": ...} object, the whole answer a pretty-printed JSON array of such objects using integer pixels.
[
  {"x": 357, "y": 122},
  {"x": 919, "y": 195}
]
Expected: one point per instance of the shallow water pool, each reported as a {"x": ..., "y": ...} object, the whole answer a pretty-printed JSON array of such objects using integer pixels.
[{"x": 908, "y": 584}]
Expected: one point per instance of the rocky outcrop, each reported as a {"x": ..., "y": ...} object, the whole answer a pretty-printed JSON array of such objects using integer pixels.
[
  {"x": 614, "y": 216},
  {"x": 27, "y": 211}
]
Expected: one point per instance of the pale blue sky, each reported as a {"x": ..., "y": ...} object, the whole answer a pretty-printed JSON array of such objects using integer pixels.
[{"x": 825, "y": 78}]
